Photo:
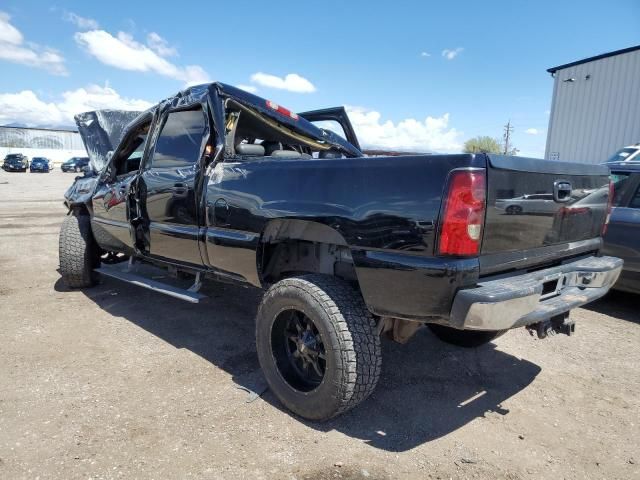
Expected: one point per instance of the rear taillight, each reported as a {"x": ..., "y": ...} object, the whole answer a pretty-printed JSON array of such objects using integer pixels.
[
  {"x": 609, "y": 208},
  {"x": 463, "y": 213}
]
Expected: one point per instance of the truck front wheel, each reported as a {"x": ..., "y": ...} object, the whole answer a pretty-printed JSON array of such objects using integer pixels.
[
  {"x": 465, "y": 338},
  {"x": 78, "y": 251},
  {"x": 317, "y": 345}
]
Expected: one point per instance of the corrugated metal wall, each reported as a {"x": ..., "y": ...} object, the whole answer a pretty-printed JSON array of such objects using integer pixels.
[
  {"x": 13, "y": 137},
  {"x": 598, "y": 113}
]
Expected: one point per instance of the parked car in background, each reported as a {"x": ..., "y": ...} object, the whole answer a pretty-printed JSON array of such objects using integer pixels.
[
  {"x": 623, "y": 233},
  {"x": 626, "y": 154},
  {"x": 535, "y": 203},
  {"x": 40, "y": 164},
  {"x": 75, "y": 164},
  {"x": 15, "y": 162}
]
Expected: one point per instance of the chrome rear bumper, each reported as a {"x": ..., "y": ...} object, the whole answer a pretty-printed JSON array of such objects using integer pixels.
[{"x": 516, "y": 301}]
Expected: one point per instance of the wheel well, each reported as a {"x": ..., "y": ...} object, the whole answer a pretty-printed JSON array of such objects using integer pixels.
[
  {"x": 290, "y": 247},
  {"x": 79, "y": 209},
  {"x": 285, "y": 258}
]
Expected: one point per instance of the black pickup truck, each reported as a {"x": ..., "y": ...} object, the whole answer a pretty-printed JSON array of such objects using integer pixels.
[{"x": 218, "y": 183}]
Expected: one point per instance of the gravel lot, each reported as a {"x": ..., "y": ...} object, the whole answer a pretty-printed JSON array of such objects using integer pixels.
[{"x": 118, "y": 382}]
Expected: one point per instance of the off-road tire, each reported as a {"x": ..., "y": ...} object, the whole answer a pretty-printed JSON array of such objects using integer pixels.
[
  {"x": 465, "y": 338},
  {"x": 348, "y": 331},
  {"x": 79, "y": 253}
]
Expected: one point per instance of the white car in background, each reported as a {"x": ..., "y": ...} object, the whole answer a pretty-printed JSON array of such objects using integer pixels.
[
  {"x": 538, "y": 203},
  {"x": 626, "y": 154},
  {"x": 534, "y": 203}
]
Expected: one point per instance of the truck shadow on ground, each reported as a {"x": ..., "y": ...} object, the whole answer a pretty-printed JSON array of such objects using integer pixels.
[
  {"x": 616, "y": 304},
  {"x": 428, "y": 389}
]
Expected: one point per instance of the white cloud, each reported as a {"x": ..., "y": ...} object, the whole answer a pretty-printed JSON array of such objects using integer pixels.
[
  {"x": 95, "y": 97},
  {"x": 425, "y": 54},
  {"x": 123, "y": 52},
  {"x": 248, "y": 88},
  {"x": 26, "y": 107},
  {"x": 83, "y": 23},
  {"x": 9, "y": 33},
  {"x": 532, "y": 131},
  {"x": 291, "y": 82},
  {"x": 14, "y": 49},
  {"x": 431, "y": 134},
  {"x": 451, "y": 54},
  {"x": 160, "y": 45}
]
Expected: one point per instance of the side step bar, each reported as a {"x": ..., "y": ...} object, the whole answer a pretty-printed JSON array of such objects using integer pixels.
[{"x": 140, "y": 275}]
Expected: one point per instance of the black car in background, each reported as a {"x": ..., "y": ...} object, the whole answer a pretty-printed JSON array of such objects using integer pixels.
[
  {"x": 75, "y": 164},
  {"x": 623, "y": 233},
  {"x": 15, "y": 162},
  {"x": 40, "y": 164}
]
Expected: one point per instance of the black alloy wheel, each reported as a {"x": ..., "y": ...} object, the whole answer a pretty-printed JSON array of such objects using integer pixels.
[{"x": 298, "y": 350}]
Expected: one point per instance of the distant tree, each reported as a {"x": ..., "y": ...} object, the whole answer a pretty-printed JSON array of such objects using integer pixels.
[
  {"x": 482, "y": 145},
  {"x": 512, "y": 151}
]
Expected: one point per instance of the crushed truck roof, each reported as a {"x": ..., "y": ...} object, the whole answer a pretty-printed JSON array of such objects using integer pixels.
[{"x": 102, "y": 130}]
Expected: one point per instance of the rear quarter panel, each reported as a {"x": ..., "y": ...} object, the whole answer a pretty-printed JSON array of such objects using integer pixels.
[
  {"x": 374, "y": 202},
  {"x": 385, "y": 208}
]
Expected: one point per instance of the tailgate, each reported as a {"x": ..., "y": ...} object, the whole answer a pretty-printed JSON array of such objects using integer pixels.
[{"x": 537, "y": 206}]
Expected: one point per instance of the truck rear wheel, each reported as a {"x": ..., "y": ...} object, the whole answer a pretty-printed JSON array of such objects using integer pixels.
[
  {"x": 465, "y": 338},
  {"x": 317, "y": 345},
  {"x": 78, "y": 251}
]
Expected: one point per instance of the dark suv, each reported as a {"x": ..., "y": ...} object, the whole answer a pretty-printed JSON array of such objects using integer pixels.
[
  {"x": 16, "y": 162},
  {"x": 75, "y": 164},
  {"x": 40, "y": 164},
  {"x": 622, "y": 237}
]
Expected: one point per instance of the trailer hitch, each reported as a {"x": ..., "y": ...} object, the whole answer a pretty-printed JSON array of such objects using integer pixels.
[{"x": 557, "y": 324}]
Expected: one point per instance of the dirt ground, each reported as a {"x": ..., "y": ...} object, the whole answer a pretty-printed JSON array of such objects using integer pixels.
[{"x": 118, "y": 382}]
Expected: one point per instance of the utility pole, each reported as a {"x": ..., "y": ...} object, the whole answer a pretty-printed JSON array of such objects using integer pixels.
[{"x": 508, "y": 130}]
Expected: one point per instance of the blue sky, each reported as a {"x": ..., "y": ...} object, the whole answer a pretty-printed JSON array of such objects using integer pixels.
[{"x": 418, "y": 75}]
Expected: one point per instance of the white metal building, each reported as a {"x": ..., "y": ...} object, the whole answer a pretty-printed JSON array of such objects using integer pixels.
[
  {"x": 595, "y": 109},
  {"x": 56, "y": 145}
]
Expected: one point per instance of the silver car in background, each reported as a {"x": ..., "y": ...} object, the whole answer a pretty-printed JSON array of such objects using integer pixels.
[{"x": 533, "y": 203}]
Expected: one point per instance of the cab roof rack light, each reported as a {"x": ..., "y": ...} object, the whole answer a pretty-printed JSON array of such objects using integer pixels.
[{"x": 280, "y": 109}]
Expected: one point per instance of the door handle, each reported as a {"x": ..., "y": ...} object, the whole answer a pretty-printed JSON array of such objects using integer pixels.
[
  {"x": 180, "y": 190},
  {"x": 221, "y": 213}
]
